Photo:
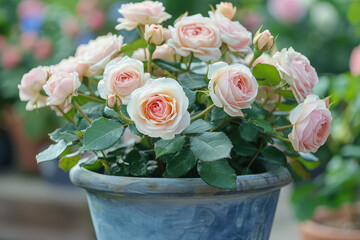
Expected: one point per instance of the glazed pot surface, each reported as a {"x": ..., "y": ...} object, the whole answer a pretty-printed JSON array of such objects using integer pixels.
[{"x": 181, "y": 208}]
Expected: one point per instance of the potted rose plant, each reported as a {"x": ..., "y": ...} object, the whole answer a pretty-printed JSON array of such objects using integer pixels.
[{"x": 212, "y": 133}]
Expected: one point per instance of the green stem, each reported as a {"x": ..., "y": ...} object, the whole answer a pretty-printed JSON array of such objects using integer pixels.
[
  {"x": 255, "y": 156},
  {"x": 95, "y": 99},
  {"x": 77, "y": 106},
  {"x": 122, "y": 115},
  {"x": 203, "y": 112},
  {"x": 104, "y": 163},
  {"x": 66, "y": 116},
  {"x": 256, "y": 55},
  {"x": 190, "y": 61},
  {"x": 283, "y": 127},
  {"x": 149, "y": 62}
]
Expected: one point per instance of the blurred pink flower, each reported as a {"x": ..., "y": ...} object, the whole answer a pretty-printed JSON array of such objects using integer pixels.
[
  {"x": 355, "y": 61},
  {"x": 86, "y": 7},
  {"x": 11, "y": 57},
  {"x": 43, "y": 48},
  {"x": 287, "y": 11},
  {"x": 28, "y": 40},
  {"x": 70, "y": 26},
  {"x": 31, "y": 8},
  {"x": 2, "y": 42},
  {"x": 95, "y": 20},
  {"x": 251, "y": 20}
]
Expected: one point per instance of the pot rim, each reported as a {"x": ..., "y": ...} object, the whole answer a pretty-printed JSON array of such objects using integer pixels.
[{"x": 179, "y": 187}]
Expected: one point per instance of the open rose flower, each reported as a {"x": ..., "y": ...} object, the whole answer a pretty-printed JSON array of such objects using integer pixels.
[
  {"x": 311, "y": 122},
  {"x": 142, "y": 13},
  {"x": 97, "y": 53},
  {"x": 70, "y": 64},
  {"x": 31, "y": 86},
  {"x": 61, "y": 87},
  {"x": 295, "y": 68},
  {"x": 196, "y": 34},
  {"x": 232, "y": 87},
  {"x": 159, "y": 108},
  {"x": 232, "y": 33},
  {"x": 122, "y": 77},
  {"x": 226, "y": 9}
]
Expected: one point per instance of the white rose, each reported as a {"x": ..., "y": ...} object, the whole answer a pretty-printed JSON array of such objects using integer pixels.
[{"x": 159, "y": 108}]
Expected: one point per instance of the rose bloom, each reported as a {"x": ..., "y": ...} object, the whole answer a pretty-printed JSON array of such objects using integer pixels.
[
  {"x": 142, "y": 13},
  {"x": 264, "y": 59},
  {"x": 232, "y": 87},
  {"x": 355, "y": 62},
  {"x": 30, "y": 87},
  {"x": 122, "y": 78},
  {"x": 159, "y": 108},
  {"x": 287, "y": 11},
  {"x": 237, "y": 38},
  {"x": 97, "y": 53},
  {"x": 196, "y": 34},
  {"x": 163, "y": 52},
  {"x": 311, "y": 122},
  {"x": 263, "y": 41},
  {"x": 154, "y": 34},
  {"x": 61, "y": 87},
  {"x": 226, "y": 9},
  {"x": 69, "y": 65},
  {"x": 96, "y": 20},
  {"x": 295, "y": 68}
]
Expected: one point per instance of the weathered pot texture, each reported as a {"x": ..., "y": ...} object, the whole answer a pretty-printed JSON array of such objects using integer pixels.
[{"x": 180, "y": 208}]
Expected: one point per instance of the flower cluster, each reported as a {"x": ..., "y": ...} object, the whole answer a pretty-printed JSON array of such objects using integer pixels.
[{"x": 196, "y": 86}]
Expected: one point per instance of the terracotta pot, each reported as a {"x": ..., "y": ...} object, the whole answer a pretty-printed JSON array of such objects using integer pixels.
[{"x": 315, "y": 230}]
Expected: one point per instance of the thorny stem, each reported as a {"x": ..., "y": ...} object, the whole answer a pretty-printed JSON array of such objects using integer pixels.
[
  {"x": 203, "y": 112},
  {"x": 77, "y": 106},
  {"x": 104, "y": 163},
  {"x": 66, "y": 116}
]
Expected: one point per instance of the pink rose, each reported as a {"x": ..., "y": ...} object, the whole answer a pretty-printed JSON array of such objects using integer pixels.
[
  {"x": 164, "y": 52},
  {"x": 69, "y": 65},
  {"x": 142, "y": 13},
  {"x": 95, "y": 20},
  {"x": 122, "y": 78},
  {"x": 263, "y": 41},
  {"x": 226, "y": 9},
  {"x": 295, "y": 68},
  {"x": 237, "y": 38},
  {"x": 264, "y": 59},
  {"x": 30, "y": 87},
  {"x": 287, "y": 11},
  {"x": 154, "y": 34},
  {"x": 43, "y": 49},
  {"x": 232, "y": 87},
  {"x": 159, "y": 108},
  {"x": 311, "y": 122},
  {"x": 11, "y": 57},
  {"x": 61, "y": 87},
  {"x": 355, "y": 62},
  {"x": 196, "y": 34},
  {"x": 97, "y": 53}
]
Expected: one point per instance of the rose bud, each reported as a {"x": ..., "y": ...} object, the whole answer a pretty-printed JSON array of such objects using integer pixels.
[
  {"x": 263, "y": 41},
  {"x": 226, "y": 9},
  {"x": 154, "y": 34},
  {"x": 112, "y": 101}
]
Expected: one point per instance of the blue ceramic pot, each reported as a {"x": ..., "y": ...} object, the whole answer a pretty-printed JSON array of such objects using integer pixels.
[{"x": 129, "y": 208}]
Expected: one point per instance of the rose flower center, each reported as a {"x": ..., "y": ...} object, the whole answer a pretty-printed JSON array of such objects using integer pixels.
[{"x": 159, "y": 108}]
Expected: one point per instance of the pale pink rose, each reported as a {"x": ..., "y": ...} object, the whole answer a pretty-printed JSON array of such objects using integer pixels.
[
  {"x": 296, "y": 70},
  {"x": 196, "y": 34},
  {"x": 95, "y": 20},
  {"x": 232, "y": 87},
  {"x": 43, "y": 49},
  {"x": 263, "y": 41},
  {"x": 355, "y": 62},
  {"x": 30, "y": 87},
  {"x": 139, "y": 54},
  {"x": 226, "y": 9},
  {"x": 154, "y": 34},
  {"x": 264, "y": 59},
  {"x": 311, "y": 122},
  {"x": 287, "y": 11},
  {"x": 232, "y": 33},
  {"x": 251, "y": 20},
  {"x": 11, "y": 57},
  {"x": 142, "y": 13},
  {"x": 28, "y": 40},
  {"x": 97, "y": 53},
  {"x": 163, "y": 52},
  {"x": 122, "y": 78},
  {"x": 69, "y": 65},
  {"x": 62, "y": 107},
  {"x": 70, "y": 26},
  {"x": 61, "y": 87},
  {"x": 159, "y": 108}
]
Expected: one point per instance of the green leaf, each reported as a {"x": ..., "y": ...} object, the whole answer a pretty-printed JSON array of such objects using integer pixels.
[
  {"x": 163, "y": 147},
  {"x": 52, "y": 152},
  {"x": 168, "y": 66},
  {"x": 134, "y": 130},
  {"x": 180, "y": 164},
  {"x": 217, "y": 173},
  {"x": 69, "y": 161},
  {"x": 211, "y": 146},
  {"x": 93, "y": 110},
  {"x": 67, "y": 135},
  {"x": 274, "y": 155},
  {"x": 248, "y": 132},
  {"x": 264, "y": 125},
  {"x": 244, "y": 148},
  {"x": 350, "y": 151},
  {"x": 140, "y": 43},
  {"x": 102, "y": 134},
  {"x": 111, "y": 113},
  {"x": 199, "y": 126},
  {"x": 92, "y": 164},
  {"x": 191, "y": 95},
  {"x": 192, "y": 80},
  {"x": 266, "y": 74},
  {"x": 353, "y": 13},
  {"x": 286, "y": 93},
  {"x": 138, "y": 165},
  {"x": 218, "y": 113}
]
